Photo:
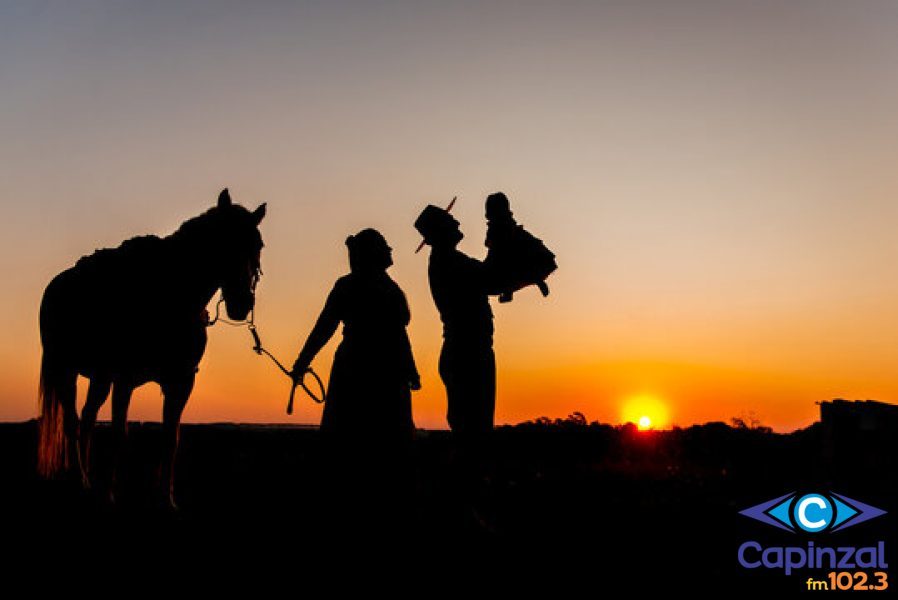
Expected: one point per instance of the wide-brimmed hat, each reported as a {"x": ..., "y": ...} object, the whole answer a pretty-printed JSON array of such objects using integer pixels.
[{"x": 433, "y": 221}]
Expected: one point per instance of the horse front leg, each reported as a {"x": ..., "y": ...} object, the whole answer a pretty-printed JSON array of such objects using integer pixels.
[
  {"x": 97, "y": 393},
  {"x": 121, "y": 399},
  {"x": 176, "y": 392}
]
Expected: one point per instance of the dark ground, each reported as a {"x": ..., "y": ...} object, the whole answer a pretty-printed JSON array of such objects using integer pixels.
[{"x": 598, "y": 506}]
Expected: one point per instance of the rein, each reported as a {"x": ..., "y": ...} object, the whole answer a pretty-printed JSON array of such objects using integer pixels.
[{"x": 259, "y": 349}]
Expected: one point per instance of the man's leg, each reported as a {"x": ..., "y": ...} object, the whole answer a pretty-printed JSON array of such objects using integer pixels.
[
  {"x": 487, "y": 389},
  {"x": 469, "y": 376}
]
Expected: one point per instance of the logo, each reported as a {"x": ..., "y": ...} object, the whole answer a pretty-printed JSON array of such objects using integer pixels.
[{"x": 812, "y": 513}]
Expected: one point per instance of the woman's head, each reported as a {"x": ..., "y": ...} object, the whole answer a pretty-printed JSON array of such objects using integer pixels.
[{"x": 368, "y": 251}]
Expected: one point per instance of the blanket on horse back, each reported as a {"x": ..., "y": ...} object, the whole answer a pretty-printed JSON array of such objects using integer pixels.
[{"x": 139, "y": 256}]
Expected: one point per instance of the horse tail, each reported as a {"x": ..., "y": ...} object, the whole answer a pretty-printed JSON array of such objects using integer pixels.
[{"x": 51, "y": 452}]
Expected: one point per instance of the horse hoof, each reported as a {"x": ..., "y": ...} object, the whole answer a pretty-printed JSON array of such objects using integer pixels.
[
  {"x": 166, "y": 503},
  {"x": 77, "y": 479},
  {"x": 479, "y": 522}
]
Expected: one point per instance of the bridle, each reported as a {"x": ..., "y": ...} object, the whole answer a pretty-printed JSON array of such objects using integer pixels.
[{"x": 259, "y": 349}]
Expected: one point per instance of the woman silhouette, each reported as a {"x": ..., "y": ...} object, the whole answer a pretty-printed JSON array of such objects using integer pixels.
[{"x": 373, "y": 373}]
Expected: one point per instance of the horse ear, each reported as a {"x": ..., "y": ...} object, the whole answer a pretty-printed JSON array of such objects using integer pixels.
[
  {"x": 259, "y": 213},
  {"x": 224, "y": 198}
]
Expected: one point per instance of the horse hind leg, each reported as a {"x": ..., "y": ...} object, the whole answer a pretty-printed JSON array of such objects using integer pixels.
[
  {"x": 66, "y": 390},
  {"x": 121, "y": 398},
  {"x": 97, "y": 393}
]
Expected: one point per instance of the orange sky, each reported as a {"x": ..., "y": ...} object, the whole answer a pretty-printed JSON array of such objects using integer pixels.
[{"x": 718, "y": 182}]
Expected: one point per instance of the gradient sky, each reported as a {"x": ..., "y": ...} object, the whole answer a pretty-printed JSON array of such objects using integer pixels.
[{"x": 718, "y": 180}]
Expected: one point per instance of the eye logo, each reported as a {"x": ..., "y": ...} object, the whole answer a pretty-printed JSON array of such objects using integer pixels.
[{"x": 812, "y": 513}]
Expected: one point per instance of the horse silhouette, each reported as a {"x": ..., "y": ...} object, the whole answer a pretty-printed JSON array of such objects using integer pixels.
[{"x": 125, "y": 316}]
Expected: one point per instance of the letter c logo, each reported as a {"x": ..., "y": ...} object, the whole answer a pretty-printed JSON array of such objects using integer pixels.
[{"x": 813, "y": 512}]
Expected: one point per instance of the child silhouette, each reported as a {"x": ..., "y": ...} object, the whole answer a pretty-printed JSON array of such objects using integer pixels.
[{"x": 516, "y": 256}]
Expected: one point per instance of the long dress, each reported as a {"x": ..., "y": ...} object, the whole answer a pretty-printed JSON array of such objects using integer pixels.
[{"x": 368, "y": 395}]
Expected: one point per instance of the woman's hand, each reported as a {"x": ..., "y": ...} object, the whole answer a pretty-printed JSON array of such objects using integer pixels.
[{"x": 300, "y": 368}]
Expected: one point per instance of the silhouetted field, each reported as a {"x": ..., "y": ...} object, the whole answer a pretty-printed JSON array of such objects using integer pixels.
[{"x": 653, "y": 509}]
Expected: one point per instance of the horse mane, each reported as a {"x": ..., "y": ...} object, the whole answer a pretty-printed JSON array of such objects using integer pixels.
[{"x": 199, "y": 227}]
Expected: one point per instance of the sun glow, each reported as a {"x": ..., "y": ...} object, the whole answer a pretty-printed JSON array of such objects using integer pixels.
[{"x": 647, "y": 411}]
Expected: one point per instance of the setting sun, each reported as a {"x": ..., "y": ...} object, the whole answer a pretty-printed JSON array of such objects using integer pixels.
[{"x": 647, "y": 411}]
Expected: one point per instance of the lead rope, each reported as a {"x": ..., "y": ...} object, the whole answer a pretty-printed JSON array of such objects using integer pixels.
[{"x": 259, "y": 349}]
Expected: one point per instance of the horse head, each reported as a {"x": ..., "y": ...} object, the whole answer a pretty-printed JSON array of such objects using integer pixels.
[{"x": 239, "y": 248}]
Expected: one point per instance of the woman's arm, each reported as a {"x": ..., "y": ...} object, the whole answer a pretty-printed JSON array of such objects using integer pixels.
[
  {"x": 414, "y": 379},
  {"x": 321, "y": 333}
]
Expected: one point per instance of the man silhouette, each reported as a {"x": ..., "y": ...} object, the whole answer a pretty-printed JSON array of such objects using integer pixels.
[{"x": 460, "y": 286}]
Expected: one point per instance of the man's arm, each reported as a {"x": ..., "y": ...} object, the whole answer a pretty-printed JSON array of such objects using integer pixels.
[{"x": 485, "y": 274}]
